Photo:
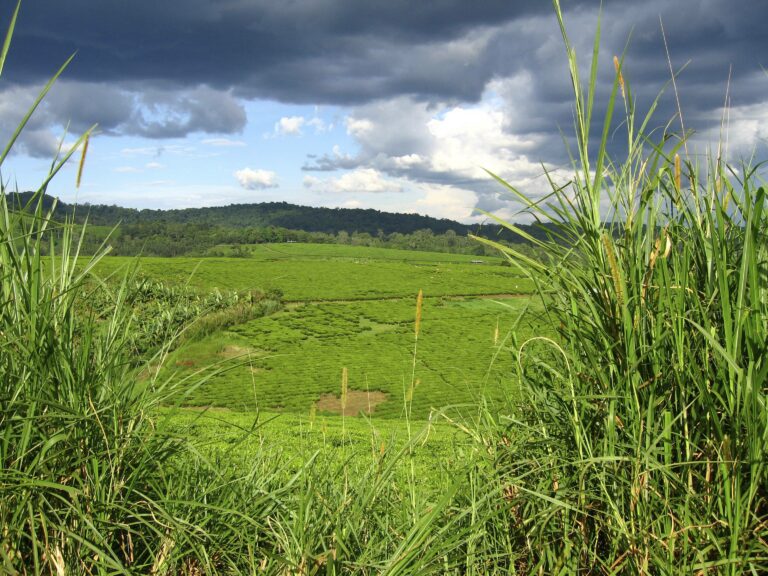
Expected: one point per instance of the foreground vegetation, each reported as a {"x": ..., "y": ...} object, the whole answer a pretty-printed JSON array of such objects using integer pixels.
[
  {"x": 636, "y": 444},
  {"x": 643, "y": 446}
]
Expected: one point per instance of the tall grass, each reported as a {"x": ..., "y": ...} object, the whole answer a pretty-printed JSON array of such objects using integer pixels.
[
  {"x": 641, "y": 445},
  {"x": 87, "y": 483},
  {"x": 79, "y": 462},
  {"x": 90, "y": 484}
]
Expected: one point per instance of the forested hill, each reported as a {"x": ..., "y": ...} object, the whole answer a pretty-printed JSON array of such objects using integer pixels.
[{"x": 277, "y": 214}]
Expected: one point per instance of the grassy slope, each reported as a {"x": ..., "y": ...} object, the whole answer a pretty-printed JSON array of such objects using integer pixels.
[
  {"x": 340, "y": 272},
  {"x": 288, "y": 360}
]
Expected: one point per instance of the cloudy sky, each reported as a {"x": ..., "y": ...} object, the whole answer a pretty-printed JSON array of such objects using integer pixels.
[{"x": 391, "y": 104}]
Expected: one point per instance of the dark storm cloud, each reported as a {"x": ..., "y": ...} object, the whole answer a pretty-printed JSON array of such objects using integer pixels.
[
  {"x": 711, "y": 39},
  {"x": 168, "y": 68},
  {"x": 164, "y": 114},
  {"x": 151, "y": 113},
  {"x": 350, "y": 52},
  {"x": 266, "y": 48}
]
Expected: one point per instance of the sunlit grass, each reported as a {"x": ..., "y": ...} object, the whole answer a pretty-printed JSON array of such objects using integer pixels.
[
  {"x": 637, "y": 445},
  {"x": 641, "y": 445}
]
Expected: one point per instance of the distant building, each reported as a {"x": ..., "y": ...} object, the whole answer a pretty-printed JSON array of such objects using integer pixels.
[{"x": 478, "y": 261}]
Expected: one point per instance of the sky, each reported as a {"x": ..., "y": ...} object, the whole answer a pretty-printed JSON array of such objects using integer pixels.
[{"x": 388, "y": 104}]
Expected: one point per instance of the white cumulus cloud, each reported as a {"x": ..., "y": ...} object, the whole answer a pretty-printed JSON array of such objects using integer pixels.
[
  {"x": 251, "y": 179},
  {"x": 295, "y": 125},
  {"x": 290, "y": 125},
  {"x": 446, "y": 146},
  {"x": 443, "y": 201},
  {"x": 362, "y": 180}
]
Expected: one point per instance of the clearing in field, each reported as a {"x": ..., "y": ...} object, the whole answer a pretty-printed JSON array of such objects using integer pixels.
[{"x": 357, "y": 402}]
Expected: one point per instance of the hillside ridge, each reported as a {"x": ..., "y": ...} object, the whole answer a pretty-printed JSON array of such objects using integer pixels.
[{"x": 277, "y": 214}]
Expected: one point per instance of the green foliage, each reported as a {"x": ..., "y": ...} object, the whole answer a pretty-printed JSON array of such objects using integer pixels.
[
  {"x": 290, "y": 359},
  {"x": 273, "y": 221},
  {"x": 230, "y": 231},
  {"x": 641, "y": 445},
  {"x": 355, "y": 274},
  {"x": 170, "y": 313},
  {"x": 314, "y": 251},
  {"x": 294, "y": 438},
  {"x": 79, "y": 464}
]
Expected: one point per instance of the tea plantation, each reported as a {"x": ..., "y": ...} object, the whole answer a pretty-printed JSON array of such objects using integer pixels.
[
  {"x": 331, "y": 272},
  {"x": 292, "y": 359},
  {"x": 351, "y": 310}
]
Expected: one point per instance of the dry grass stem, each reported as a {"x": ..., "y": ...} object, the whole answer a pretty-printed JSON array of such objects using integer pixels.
[
  {"x": 419, "y": 302},
  {"x": 82, "y": 160}
]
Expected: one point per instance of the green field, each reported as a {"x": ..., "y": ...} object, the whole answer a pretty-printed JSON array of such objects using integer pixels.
[
  {"x": 332, "y": 272},
  {"x": 302, "y": 251},
  {"x": 437, "y": 447},
  {"x": 292, "y": 359},
  {"x": 352, "y": 308}
]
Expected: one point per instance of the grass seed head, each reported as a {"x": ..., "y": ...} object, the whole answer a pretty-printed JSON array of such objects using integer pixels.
[
  {"x": 82, "y": 160},
  {"x": 344, "y": 388},
  {"x": 411, "y": 388},
  {"x": 613, "y": 264},
  {"x": 668, "y": 246},
  {"x": 419, "y": 301},
  {"x": 620, "y": 76}
]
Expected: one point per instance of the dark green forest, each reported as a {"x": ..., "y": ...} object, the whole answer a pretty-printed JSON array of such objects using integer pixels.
[{"x": 221, "y": 230}]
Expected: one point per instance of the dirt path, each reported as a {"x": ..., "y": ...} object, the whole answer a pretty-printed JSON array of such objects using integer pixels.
[{"x": 505, "y": 296}]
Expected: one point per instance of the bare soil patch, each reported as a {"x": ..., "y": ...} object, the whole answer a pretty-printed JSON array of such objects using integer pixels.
[
  {"x": 357, "y": 401},
  {"x": 233, "y": 351}
]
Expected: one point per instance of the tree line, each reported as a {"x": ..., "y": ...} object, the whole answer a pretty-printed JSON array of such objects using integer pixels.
[{"x": 224, "y": 230}]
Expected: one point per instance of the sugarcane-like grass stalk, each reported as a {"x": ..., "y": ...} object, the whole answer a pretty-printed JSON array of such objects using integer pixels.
[{"x": 642, "y": 449}]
